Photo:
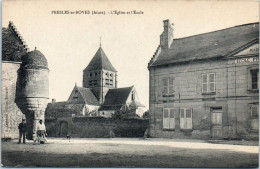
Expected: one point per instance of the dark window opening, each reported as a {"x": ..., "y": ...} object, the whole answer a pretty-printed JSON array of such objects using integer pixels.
[
  {"x": 254, "y": 74},
  {"x": 133, "y": 96}
]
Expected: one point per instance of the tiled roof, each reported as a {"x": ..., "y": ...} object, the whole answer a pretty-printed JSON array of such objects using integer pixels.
[
  {"x": 34, "y": 60},
  {"x": 136, "y": 104},
  {"x": 100, "y": 61},
  {"x": 13, "y": 45},
  {"x": 208, "y": 45},
  {"x": 88, "y": 96},
  {"x": 116, "y": 98}
]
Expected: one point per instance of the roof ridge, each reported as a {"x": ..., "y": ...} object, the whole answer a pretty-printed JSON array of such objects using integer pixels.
[
  {"x": 210, "y": 45},
  {"x": 122, "y": 88},
  {"x": 83, "y": 87},
  {"x": 79, "y": 89},
  {"x": 18, "y": 35},
  {"x": 100, "y": 61},
  {"x": 217, "y": 30}
]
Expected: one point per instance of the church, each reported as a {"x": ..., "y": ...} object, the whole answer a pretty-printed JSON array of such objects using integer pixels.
[{"x": 99, "y": 94}]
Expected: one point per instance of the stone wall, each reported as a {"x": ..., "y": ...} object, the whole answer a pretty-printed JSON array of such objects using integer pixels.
[
  {"x": 95, "y": 127},
  {"x": 11, "y": 114}
]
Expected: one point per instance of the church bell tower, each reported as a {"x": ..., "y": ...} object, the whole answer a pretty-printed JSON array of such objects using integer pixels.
[{"x": 100, "y": 75}]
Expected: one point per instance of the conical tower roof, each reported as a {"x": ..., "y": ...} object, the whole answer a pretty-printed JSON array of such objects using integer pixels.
[
  {"x": 100, "y": 61},
  {"x": 34, "y": 60}
]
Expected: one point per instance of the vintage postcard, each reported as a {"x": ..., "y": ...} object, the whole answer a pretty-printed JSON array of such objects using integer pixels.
[{"x": 149, "y": 83}]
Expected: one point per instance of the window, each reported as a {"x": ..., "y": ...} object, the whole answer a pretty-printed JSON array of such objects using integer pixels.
[
  {"x": 90, "y": 75},
  {"x": 208, "y": 83},
  {"x": 168, "y": 118},
  {"x": 185, "y": 118},
  {"x": 92, "y": 82},
  {"x": 255, "y": 116},
  {"x": 133, "y": 96},
  {"x": 167, "y": 85},
  {"x": 254, "y": 78}
]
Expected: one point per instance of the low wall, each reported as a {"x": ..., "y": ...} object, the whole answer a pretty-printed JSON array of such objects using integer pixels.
[{"x": 95, "y": 127}]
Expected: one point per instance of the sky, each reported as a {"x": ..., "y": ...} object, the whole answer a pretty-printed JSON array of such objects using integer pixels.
[{"x": 69, "y": 41}]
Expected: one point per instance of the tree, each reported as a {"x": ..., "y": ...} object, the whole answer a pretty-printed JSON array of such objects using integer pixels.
[
  {"x": 124, "y": 114},
  {"x": 146, "y": 115}
]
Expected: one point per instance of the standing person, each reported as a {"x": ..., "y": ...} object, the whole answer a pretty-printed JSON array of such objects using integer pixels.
[
  {"x": 22, "y": 130},
  {"x": 41, "y": 132}
]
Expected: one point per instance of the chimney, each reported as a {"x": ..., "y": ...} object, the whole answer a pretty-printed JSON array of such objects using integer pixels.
[
  {"x": 53, "y": 101},
  {"x": 166, "y": 37}
]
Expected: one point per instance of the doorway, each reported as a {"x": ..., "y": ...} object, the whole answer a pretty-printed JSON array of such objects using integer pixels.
[
  {"x": 63, "y": 128},
  {"x": 216, "y": 123}
]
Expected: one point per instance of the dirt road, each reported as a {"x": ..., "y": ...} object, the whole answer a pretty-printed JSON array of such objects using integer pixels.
[{"x": 118, "y": 152}]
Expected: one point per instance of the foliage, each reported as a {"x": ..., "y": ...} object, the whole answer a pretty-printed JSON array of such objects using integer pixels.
[
  {"x": 124, "y": 114},
  {"x": 146, "y": 115}
]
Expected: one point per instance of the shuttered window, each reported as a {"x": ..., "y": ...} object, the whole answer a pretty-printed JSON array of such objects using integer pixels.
[
  {"x": 185, "y": 118},
  {"x": 168, "y": 85},
  {"x": 165, "y": 85},
  {"x": 208, "y": 83},
  {"x": 254, "y": 76},
  {"x": 254, "y": 110},
  {"x": 168, "y": 118},
  {"x": 255, "y": 118}
]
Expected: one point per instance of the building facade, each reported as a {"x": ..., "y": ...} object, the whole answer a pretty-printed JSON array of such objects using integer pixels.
[{"x": 206, "y": 86}]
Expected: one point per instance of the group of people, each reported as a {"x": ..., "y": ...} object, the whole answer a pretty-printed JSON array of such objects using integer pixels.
[{"x": 39, "y": 136}]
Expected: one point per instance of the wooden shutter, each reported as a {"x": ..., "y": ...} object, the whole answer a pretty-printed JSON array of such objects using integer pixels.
[
  {"x": 189, "y": 118},
  {"x": 255, "y": 124},
  {"x": 254, "y": 110},
  {"x": 182, "y": 118},
  {"x": 204, "y": 83},
  {"x": 217, "y": 118},
  {"x": 257, "y": 79},
  {"x": 165, "y": 85},
  {"x": 172, "y": 119},
  {"x": 166, "y": 119},
  {"x": 211, "y": 79},
  {"x": 171, "y": 91}
]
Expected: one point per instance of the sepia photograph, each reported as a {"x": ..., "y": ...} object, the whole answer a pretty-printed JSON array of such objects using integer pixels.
[{"x": 132, "y": 84}]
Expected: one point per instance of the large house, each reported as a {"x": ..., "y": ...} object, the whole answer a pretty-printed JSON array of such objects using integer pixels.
[
  {"x": 206, "y": 85},
  {"x": 99, "y": 95}
]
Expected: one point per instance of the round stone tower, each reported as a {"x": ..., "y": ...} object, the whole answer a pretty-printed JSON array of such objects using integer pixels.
[{"x": 32, "y": 89}]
